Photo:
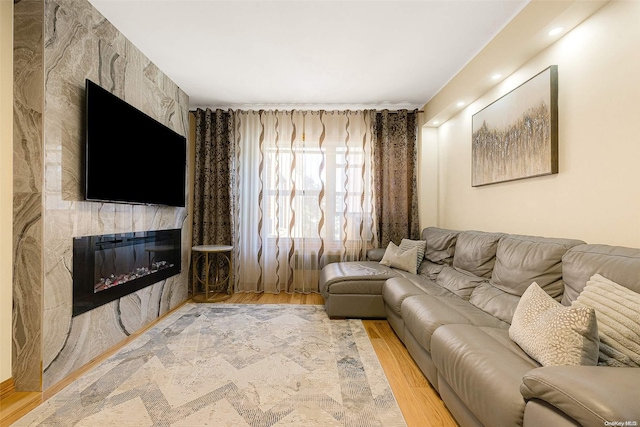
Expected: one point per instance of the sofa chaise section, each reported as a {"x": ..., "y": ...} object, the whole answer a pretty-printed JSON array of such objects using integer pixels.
[{"x": 354, "y": 289}]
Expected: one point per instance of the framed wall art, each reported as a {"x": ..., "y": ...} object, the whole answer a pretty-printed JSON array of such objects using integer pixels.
[{"x": 516, "y": 136}]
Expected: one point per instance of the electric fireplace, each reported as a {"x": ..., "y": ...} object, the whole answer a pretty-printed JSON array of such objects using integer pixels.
[{"x": 110, "y": 266}]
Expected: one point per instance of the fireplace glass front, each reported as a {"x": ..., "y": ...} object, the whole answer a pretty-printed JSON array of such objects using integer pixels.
[{"x": 110, "y": 266}]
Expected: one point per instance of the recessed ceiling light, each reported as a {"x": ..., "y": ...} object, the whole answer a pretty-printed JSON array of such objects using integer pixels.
[
  {"x": 496, "y": 76},
  {"x": 435, "y": 122},
  {"x": 555, "y": 31},
  {"x": 460, "y": 104}
]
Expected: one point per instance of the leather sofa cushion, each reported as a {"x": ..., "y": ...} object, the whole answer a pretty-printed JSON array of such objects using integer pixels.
[
  {"x": 396, "y": 290},
  {"x": 351, "y": 286},
  {"x": 616, "y": 263},
  {"x": 494, "y": 301},
  {"x": 441, "y": 244},
  {"x": 540, "y": 413},
  {"x": 459, "y": 282},
  {"x": 354, "y": 278},
  {"x": 375, "y": 254},
  {"x": 485, "y": 369},
  {"x": 522, "y": 260},
  {"x": 424, "y": 314},
  {"x": 591, "y": 395},
  {"x": 430, "y": 269},
  {"x": 476, "y": 252}
]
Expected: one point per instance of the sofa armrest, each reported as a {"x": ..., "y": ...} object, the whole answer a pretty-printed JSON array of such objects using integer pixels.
[
  {"x": 591, "y": 395},
  {"x": 375, "y": 254}
]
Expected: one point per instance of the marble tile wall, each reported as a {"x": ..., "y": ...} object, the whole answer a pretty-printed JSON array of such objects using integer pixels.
[
  {"x": 79, "y": 43},
  {"x": 27, "y": 194}
]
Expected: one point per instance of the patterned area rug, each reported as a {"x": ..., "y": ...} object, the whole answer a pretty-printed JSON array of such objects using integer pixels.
[{"x": 233, "y": 365}]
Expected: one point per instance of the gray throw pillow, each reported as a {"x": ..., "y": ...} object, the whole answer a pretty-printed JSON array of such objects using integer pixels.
[
  {"x": 407, "y": 244},
  {"x": 618, "y": 316}
]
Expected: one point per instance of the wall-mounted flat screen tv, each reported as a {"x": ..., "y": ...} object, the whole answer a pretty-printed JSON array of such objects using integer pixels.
[{"x": 129, "y": 156}]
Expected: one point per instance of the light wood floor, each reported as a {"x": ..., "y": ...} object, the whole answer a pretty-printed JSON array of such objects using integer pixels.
[
  {"x": 14, "y": 406},
  {"x": 418, "y": 401}
]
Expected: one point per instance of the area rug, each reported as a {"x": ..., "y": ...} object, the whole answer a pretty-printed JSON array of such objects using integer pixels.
[{"x": 233, "y": 365}]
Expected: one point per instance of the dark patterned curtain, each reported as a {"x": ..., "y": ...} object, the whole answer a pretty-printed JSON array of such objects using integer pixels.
[
  {"x": 302, "y": 218},
  {"x": 395, "y": 155},
  {"x": 213, "y": 204}
]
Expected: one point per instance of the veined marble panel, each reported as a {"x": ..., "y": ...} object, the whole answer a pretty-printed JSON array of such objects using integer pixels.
[
  {"x": 58, "y": 291},
  {"x": 91, "y": 334},
  {"x": 94, "y": 332},
  {"x": 27, "y": 195},
  {"x": 27, "y": 149},
  {"x": 91, "y": 19},
  {"x": 80, "y": 44},
  {"x": 27, "y": 53},
  {"x": 71, "y": 51},
  {"x": 177, "y": 289},
  {"x": 28, "y": 96},
  {"x": 27, "y": 291}
]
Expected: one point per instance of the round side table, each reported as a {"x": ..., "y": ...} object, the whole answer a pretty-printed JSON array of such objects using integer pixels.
[{"x": 210, "y": 254}]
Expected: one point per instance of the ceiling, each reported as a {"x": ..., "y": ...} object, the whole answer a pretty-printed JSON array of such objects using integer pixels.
[{"x": 310, "y": 54}]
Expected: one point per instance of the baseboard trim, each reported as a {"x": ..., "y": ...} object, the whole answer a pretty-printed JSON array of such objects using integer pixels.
[
  {"x": 7, "y": 388},
  {"x": 14, "y": 404}
]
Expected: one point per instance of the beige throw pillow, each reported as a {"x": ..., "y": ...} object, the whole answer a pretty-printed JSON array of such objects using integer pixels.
[
  {"x": 618, "y": 316},
  {"x": 554, "y": 334},
  {"x": 403, "y": 260}
]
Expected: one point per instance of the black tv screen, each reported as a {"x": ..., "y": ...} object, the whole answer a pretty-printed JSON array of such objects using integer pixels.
[{"x": 130, "y": 157}]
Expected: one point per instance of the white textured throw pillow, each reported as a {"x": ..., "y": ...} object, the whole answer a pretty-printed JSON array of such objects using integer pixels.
[
  {"x": 618, "y": 315},
  {"x": 554, "y": 334},
  {"x": 407, "y": 244},
  {"x": 404, "y": 260}
]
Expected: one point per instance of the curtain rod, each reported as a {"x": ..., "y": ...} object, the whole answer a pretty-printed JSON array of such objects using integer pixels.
[{"x": 304, "y": 111}]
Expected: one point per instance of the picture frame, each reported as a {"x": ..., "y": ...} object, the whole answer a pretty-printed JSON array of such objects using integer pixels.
[{"x": 516, "y": 136}]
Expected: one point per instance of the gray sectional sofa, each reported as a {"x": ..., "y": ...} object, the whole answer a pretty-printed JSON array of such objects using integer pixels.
[{"x": 454, "y": 315}]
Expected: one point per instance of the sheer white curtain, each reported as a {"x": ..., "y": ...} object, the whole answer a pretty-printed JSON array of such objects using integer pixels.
[{"x": 304, "y": 188}]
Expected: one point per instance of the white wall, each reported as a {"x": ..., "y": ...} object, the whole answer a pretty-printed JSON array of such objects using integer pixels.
[
  {"x": 428, "y": 177},
  {"x": 596, "y": 195},
  {"x": 6, "y": 184}
]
